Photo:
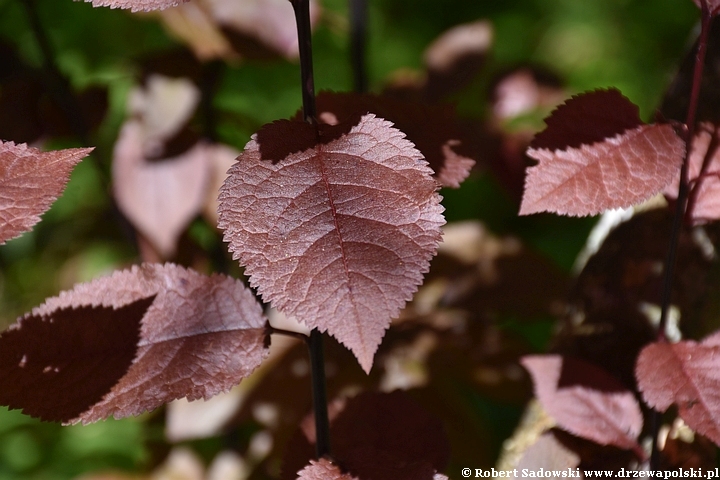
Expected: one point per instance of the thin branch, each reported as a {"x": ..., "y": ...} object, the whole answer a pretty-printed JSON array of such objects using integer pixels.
[
  {"x": 288, "y": 333},
  {"x": 57, "y": 84},
  {"x": 322, "y": 420},
  {"x": 358, "y": 40},
  {"x": 680, "y": 208},
  {"x": 315, "y": 343},
  {"x": 302, "y": 17}
]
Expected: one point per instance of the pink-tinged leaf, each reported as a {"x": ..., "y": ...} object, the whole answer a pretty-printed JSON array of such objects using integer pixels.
[
  {"x": 549, "y": 454},
  {"x": 616, "y": 173},
  {"x": 432, "y": 128},
  {"x": 221, "y": 158},
  {"x": 704, "y": 176},
  {"x": 339, "y": 235},
  {"x": 159, "y": 197},
  {"x": 455, "y": 57},
  {"x": 163, "y": 105},
  {"x": 713, "y": 5},
  {"x": 585, "y": 400},
  {"x": 586, "y": 119},
  {"x": 131, "y": 342},
  {"x": 322, "y": 470},
  {"x": 686, "y": 374},
  {"x": 136, "y": 5},
  {"x": 30, "y": 181}
]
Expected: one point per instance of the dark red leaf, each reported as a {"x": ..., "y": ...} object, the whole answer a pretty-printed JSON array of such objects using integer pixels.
[
  {"x": 382, "y": 436},
  {"x": 30, "y": 181},
  {"x": 586, "y": 119},
  {"x": 686, "y": 374},
  {"x": 281, "y": 138},
  {"x": 600, "y": 409},
  {"x": 615, "y": 173},
  {"x": 200, "y": 336},
  {"x": 339, "y": 235},
  {"x": 432, "y": 128},
  {"x": 57, "y": 366}
]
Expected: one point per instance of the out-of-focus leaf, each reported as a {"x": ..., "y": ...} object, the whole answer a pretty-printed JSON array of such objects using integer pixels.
[
  {"x": 686, "y": 374},
  {"x": 382, "y": 436},
  {"x": 586, "y": 401}
]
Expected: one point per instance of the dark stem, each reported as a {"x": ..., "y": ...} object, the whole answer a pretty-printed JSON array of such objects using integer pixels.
[
  {"x": 697, "y": 183},
  {"x": 322, "y": 421},
  {"x": 315, "y": 342},
  {"x": 288, "y": 333},
  {"x": 57, "y": 84},
  {"x": 302, "y": 17},
  {"x": 358, "y": 38},
  {"x": 680, "y": 207}
]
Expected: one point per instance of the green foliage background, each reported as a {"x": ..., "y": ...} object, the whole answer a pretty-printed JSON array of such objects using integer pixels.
[{"x": 631, "y": 44}]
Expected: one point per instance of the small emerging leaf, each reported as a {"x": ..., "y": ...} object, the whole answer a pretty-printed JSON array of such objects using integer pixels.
[
  {"x": 338, "y": 235},
  {"x": 686, "y": 374},
  {"x": 598, "y": 409},
  {"x": 30, "y": 181},
  {"x": 130, "y": 342},
  {"x": 322, "y": 470}
]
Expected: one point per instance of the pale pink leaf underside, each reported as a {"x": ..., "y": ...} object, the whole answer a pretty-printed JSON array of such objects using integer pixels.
[
  {"x": 160, "y": 197},
  {"x": 322, "y": 470},
  {"x": 30, "y": 181},
  {"x": 549, "y": 454},
  {"x": 616, "y": 173},
  {"x": 686, "y": 374},
  {"x": 338, "y": 235},
  {"x": 270, "y": 21},
  {"x": 605, "y": 417},
  {"x": 200, "y": 336},
  {"x": 137, "y": 5},
  {"x": 713, "y": 5}
]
